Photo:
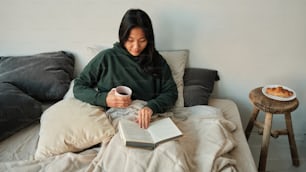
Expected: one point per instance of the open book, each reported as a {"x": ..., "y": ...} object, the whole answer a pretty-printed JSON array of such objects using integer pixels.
[{"x": 159, "y": 131}]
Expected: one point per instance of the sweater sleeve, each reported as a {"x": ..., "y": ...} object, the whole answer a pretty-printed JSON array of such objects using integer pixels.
[
  {"x": 168, "y": 92},
  {"x": 85, "y": 84}
]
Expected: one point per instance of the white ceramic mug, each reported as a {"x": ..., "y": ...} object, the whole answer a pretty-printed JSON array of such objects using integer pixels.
[{"x": 123, "y": 91}]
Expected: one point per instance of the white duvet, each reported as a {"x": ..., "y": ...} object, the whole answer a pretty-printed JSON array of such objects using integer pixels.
[{"x": 207, "y": 140}]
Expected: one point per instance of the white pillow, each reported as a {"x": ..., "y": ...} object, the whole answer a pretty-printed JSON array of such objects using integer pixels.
[
  {"x": 71, "y": 125},
  {"x": 69, "y": 93},
  {"x": 176, "y": 59}
]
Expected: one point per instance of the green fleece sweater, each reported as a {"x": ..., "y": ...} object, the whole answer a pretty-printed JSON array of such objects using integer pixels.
[{"x": 114, "y": 67}]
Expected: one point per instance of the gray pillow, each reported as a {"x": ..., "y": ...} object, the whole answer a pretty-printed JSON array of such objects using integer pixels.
[
  {"x": 18, "y": 110},
  {"x": 198, "y": 85},
  {"x": 26, "y": 81},
  {"x": 45, "y": 76}
]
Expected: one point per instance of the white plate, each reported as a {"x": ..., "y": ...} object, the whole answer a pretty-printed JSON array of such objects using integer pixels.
[{"x": 276, "y": 97}]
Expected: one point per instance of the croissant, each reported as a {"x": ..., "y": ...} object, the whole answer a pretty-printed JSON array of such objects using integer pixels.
[{"x": 279, "y": 91}]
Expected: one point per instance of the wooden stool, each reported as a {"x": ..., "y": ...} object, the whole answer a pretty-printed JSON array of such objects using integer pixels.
[{"x": 270, "y": 107}]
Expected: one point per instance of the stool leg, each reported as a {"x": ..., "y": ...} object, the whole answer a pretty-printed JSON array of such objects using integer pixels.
[
  {"x": 251, "y": 122},
  {"x": 293, "y": 149},
  {"x": 265, "y": 142}
]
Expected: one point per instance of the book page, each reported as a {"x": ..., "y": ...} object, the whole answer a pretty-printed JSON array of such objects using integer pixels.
[
  {"x": 133, "y": 133},
  {"x": 163, "y": 129}
]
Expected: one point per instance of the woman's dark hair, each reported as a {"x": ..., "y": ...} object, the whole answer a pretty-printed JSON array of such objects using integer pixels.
[{"x": 149, "y": 58}]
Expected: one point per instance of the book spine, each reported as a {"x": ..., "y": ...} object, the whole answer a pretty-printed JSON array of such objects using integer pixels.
[{"x": 141, "y": 145}]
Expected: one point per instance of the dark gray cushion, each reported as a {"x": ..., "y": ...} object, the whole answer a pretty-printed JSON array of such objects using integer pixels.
[
  {"x": 18, "y": 110},
  {"x": 198, "y": 85},
  {"x": 44, "y": 76},
  {"x": 26, "y": 81}
]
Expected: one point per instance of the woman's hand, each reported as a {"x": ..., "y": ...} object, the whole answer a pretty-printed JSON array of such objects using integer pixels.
[
  {"x": 144, "y": 117},
  {"x": 114, "y": 101}
]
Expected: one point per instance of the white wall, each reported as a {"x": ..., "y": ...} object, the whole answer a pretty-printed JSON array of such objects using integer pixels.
[{"x": 250, "y": 43}]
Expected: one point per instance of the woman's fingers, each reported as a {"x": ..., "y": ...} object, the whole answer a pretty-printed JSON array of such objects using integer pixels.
[{"x": 144, "y": 117}]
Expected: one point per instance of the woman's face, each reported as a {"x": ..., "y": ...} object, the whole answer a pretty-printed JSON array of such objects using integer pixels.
[{"x": 136, "y": 42}]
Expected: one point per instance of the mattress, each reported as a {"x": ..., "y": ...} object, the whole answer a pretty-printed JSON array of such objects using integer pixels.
[
  {"x": 242, "y": 153},
  {"x": 22, "y": 145}
]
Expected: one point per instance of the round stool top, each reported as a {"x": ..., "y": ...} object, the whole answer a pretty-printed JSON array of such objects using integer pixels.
[{"x": 270, "y": 105}]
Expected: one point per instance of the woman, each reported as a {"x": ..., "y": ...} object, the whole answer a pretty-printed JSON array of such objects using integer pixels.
[{"x": 133, "y": 62}]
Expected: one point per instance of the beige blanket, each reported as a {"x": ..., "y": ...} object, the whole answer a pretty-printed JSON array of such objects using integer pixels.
[{"x": 207, "y": 140}]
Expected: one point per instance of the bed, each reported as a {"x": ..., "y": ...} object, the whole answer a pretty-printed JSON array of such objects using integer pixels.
[{"x": 213, "y": 137}]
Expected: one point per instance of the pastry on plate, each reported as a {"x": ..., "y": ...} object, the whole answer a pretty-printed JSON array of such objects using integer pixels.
[{"x": 279, "y": 92}]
